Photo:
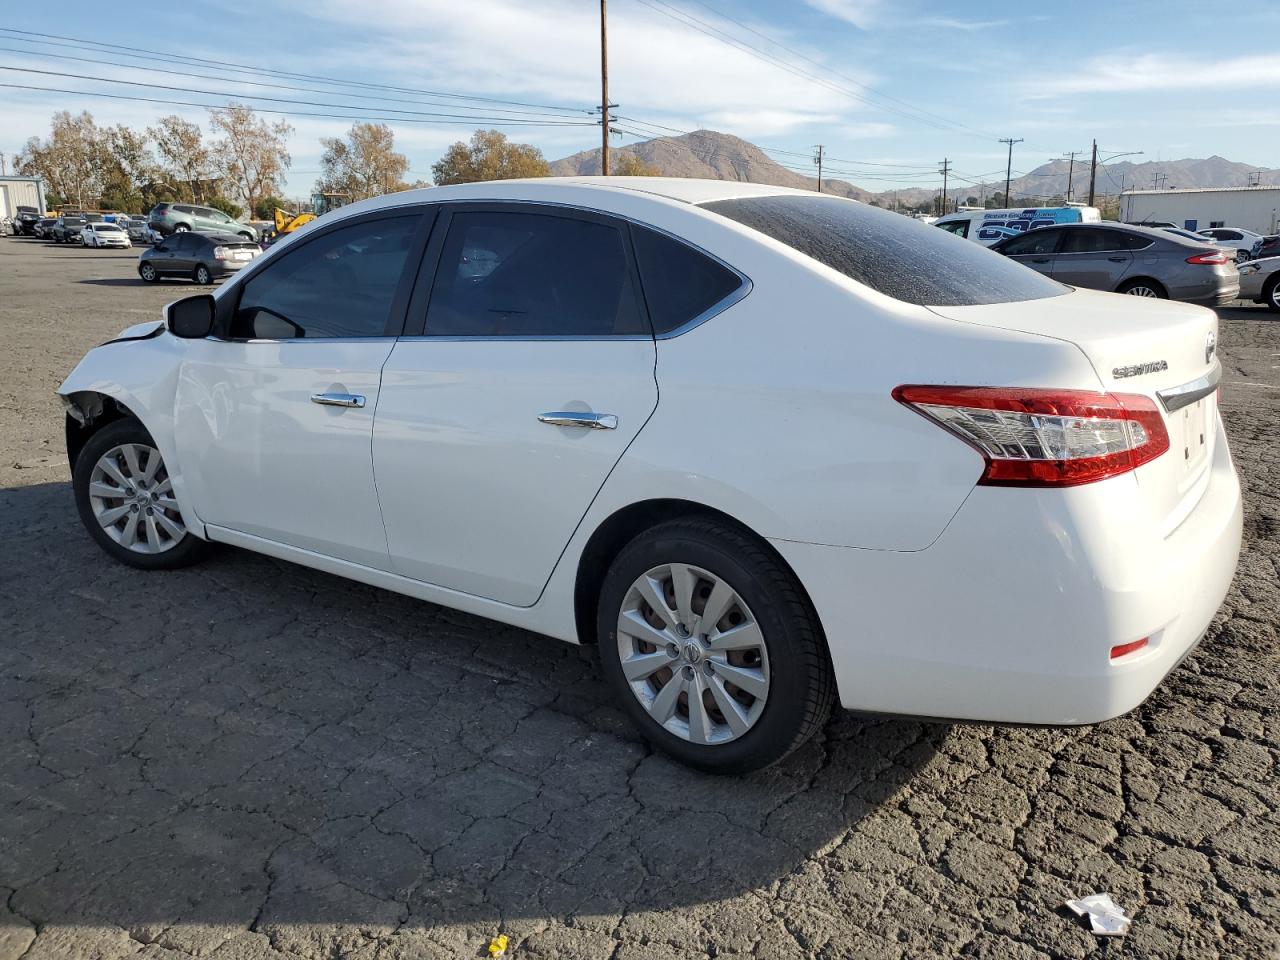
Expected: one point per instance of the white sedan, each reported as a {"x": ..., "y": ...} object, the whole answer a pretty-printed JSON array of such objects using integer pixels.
[
  {"x": 766, "y": 448},
  {"x": 104, "y": 235}
]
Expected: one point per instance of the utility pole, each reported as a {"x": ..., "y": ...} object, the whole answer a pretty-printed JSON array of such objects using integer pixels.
[
  {"x": 1093, "y": 171},
  {"x": 1008, "y": 170},
  {"x": 604, "y": 89},
  {"x": 1071, "y": 169},
  {"x": 817, "y": 158},
  {"x": 946, "y": 169}
]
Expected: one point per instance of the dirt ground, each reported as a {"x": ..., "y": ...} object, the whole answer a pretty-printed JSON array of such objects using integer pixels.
[{"x": 248, "y": 759}]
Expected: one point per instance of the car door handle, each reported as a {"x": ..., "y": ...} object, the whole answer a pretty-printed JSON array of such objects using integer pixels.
[
  {"x": 1117, "y": 259},
  {"x": 1040, "y": 260},
  {"x": 569, "y": 418},
  {"x": 338, "y": 399}
]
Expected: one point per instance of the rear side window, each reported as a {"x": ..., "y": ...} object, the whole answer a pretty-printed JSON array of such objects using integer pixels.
[
  {"x": 1095, "y": 241},
  {"x": 1133, "y": 241},
  {"x": 532, "y": 275},
  {"x": 680, "y": 283},
  {"x": 340, "y": 284},
  {"x": 900, "y": 257}
]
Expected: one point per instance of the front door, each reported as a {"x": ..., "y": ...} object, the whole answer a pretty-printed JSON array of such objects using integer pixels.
[
  {"x": 1035, "y": 248},
  {"x": 499, "y": 424},
  {"x": 275, "y": 419},
  {"x": 1093, "y": 257}
]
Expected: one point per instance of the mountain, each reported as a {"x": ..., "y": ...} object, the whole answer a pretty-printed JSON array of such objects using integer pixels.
[
  {"x": 709, "y": 155},
  {"x": 721, "y": 156}
]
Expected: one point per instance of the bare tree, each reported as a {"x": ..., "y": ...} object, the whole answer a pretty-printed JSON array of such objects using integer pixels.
[
  {"x": 489, "y": 156},
  {"x": 69, "y": 161},
  {"x": 253, "y": 153},
  {"x": 363, "y": 165},
  {"x": 181, "y": 146}
]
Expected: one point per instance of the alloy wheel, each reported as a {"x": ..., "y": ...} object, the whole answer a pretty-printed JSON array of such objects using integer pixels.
[
  {"x": 693, "y": 654},
  {"x": 132, "y": 499},
  {"x": 1142, "y": 290}
]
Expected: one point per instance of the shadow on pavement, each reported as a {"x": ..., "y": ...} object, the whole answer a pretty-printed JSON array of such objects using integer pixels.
[{"x": 252, "y": 743}]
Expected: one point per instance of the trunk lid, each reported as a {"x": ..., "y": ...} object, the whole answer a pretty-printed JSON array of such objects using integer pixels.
[{"x": 1136, "y": 346}]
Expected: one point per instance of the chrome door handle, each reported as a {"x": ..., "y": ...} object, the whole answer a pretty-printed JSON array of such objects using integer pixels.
[
  {"x": 338, "y": 399},
  {"x": 569, "y": 418}
]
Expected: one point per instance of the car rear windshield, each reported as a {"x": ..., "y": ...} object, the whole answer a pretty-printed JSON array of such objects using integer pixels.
[{"x": 896, "y": 255}]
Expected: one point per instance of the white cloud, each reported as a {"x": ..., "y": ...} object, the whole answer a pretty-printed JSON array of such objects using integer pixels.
[
  {"x": 861, "y": 13},
  {"x": 1127, "y": 73}
]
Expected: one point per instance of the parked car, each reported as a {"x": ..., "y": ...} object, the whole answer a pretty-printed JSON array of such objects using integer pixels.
[
  {"x": 104, "y": 235},
  {"x": 1246, "y": 243},
  {"x": 25, "y": 221},
  {"x": 988, "y": 227},
  {"x": 167, "y": 218},
  {"x": 139, "y": 230},
  {"x": 1260, "y": 281},
  {"x": 730, "y": 432},
  {"x": 43, "y": 227},
  {"x": 203, "y": 257},
  {"x": 66, "y": 229},
  {"x": 1270, "y": 247},
  {"x": 1122, "y": 258}
]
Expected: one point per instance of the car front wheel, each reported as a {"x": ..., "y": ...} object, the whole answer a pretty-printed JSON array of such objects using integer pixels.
[
  {"x": 126, "y": 500},
  {"x": 712, "y": 646},
  {"x": 148, "y": 273}
]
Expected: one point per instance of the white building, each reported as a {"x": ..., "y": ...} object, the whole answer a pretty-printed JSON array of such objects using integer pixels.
[
  {"x": 21, "y": 192},
  {"x": 1252, "y": 208}
]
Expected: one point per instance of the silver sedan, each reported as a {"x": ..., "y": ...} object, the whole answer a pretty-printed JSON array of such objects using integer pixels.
[{"x": 1260, "y": 282}]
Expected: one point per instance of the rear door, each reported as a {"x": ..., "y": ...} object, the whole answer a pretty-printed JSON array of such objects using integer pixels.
[
  {"x": 528, "y": 371},
  {"x": 1093, "y": 257},
  {"x": 1036, "y": 249}
]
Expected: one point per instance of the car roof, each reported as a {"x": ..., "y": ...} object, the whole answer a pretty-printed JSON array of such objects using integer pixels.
[
  {"x": 1155, "y": 233},
  {"x": 223, "y": 237}
]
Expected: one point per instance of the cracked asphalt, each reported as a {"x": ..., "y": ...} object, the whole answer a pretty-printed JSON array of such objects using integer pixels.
[{"x": 250, "y": 760}]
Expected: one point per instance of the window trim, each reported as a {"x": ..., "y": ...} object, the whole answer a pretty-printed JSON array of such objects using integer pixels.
[
  {"x": 228, "y": 306},
  {"x": 415, "y": 326}
]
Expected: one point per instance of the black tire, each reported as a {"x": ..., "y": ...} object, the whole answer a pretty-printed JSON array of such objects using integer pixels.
[
  {"x": 801, "y": 685},
  {"x": 148, "y": 272},
  {"x": 247, "y": 236},
  {"x": 1131, "y": 286},
  {"x": 188, "y": 550},
  {"x": 202, "y": 275},
  {"x": 1271, "y": 293}
]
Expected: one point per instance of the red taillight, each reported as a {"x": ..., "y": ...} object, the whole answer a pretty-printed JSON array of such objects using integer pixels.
[
  {"x": 1124, "y": 649},
  {"x": 1033, "y": 437},
  {"x": 1215, "y": 257}
]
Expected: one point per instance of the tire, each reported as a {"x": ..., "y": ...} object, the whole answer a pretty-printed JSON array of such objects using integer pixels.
[
  {"x": 181, "y": 228},
  {"x": 247, "y": 236},
  {"x": 1271, "y": 294},
  {"x": 1143, "y": 287},
  {"x": 148, "y": 272},
  {"x": 1243, "y": 256},
  {"x": 123, "y": 451},
  {"x": 787, "y": 687},
  {"x": 201, "y": 275}
]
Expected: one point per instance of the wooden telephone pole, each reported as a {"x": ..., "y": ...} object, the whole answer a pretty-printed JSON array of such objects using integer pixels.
[
  {"x": 1008, "y": 170},
  {"x": 817, "y": 158},
  {"x": 604, "y": 89}
]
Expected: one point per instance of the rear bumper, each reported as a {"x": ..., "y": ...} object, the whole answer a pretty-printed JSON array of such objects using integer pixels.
[{"x": 1011, "y": 615}]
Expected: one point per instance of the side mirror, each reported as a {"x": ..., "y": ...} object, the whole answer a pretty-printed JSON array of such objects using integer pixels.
[{"x": 191, "y": 317}]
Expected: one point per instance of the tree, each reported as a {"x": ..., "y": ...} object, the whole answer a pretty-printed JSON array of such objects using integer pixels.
[
  {"x": 265, "y": 208},
  {"x": 363, "y": 165},
  {"x": 629, "y": 165},
  {"x": 69, "y": 161},
  {"x": 489, "y": 156},
  {"x": 181, "y": 145},
  {"x": 128, "y": 171},
  {"x": 253, "y": 153},
  {"x": 232, "y": 210}
]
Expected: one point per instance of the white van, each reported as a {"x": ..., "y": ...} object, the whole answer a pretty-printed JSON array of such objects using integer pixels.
[{"x": 988, "y": 226}]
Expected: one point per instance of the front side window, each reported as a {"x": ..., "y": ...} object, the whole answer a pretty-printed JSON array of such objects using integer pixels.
[
  {"x": 340, "y": 284},
  {"x": 680, "y": 283},
  {"x": 959, "y": 227},
  {"x": 532, "y": 275},
  {"x": 897, "y": 256},
  {"x": 1036, "y": 241}
]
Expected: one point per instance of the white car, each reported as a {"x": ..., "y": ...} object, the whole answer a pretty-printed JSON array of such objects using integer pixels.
[
  {"x": 1245, "y": 243},
  {"x": 104, "y": 235},
  {"x": 766, "y": 448}
]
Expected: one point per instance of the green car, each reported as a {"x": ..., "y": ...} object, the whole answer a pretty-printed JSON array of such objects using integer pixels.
[{"x": 167, "y": 218}]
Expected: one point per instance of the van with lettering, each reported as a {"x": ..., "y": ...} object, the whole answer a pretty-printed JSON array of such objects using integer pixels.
[{"x": 990, "y": 226}]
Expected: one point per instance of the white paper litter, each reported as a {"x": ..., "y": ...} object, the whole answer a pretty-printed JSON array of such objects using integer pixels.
[{"x": 1106, "y": 917}]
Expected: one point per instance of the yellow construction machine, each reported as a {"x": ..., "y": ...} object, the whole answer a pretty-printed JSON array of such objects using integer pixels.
[{"x": 321, "y": 203}]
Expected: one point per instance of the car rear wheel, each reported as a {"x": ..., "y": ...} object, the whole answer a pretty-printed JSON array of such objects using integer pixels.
[
  {"x": 203, "y": 276},
  {"x": 126, "y": 501},
  {"x": 148, "y": 273},
  {"x": 712, "y": 647},
  {"x": 1143, "y": 288},
  {"x": 181, "y": 228},
  {"x": 1271, "y": 295}
]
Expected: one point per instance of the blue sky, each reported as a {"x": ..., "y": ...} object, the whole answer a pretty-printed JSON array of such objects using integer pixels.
[{"x": 890, "y": 87}]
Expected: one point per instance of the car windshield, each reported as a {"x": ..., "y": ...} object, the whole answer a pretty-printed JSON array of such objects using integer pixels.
[
  {"x": 895, "y": 255},
  {"x": 106, "y": 228}
]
